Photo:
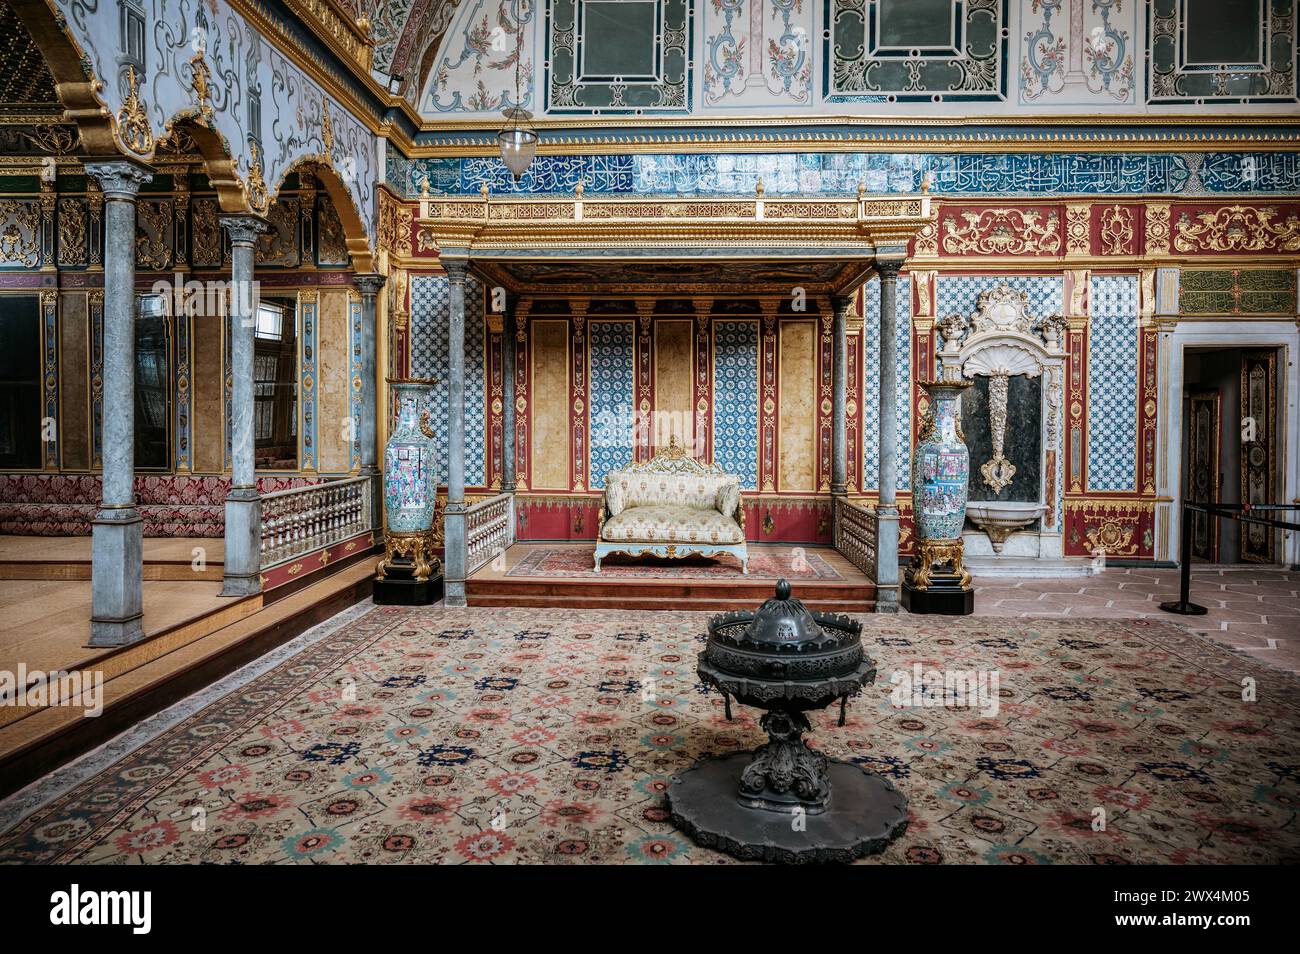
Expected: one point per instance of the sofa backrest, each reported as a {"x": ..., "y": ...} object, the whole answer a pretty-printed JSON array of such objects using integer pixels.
[
  {"x": 697, "y": 491},
  {"x": 670, "y": 478}
]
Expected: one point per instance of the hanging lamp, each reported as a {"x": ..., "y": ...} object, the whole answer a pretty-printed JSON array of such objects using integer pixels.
[{"x": 517, "y": 138}]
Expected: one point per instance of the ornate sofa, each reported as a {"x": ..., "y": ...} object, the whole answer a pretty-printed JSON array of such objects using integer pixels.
[{"x": 672, "y": 506}]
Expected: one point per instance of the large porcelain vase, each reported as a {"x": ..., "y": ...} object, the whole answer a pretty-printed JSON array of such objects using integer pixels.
[
  {"x": 410, "y": 462},
  {"x": 941, "y": 466}
]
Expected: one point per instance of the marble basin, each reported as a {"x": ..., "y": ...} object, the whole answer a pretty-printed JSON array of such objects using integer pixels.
[{"x": 1000, "y": 519}]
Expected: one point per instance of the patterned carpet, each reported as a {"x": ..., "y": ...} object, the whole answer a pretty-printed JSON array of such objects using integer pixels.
[
  {"x": 566, "y": 562},
  {"x": 491, "y": 736}
]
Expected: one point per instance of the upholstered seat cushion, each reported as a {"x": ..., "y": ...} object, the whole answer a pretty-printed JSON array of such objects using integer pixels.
[{"x": 666, "y": 524}]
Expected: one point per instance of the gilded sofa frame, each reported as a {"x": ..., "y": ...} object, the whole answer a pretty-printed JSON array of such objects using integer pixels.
[{"x": 673, "y": 459}]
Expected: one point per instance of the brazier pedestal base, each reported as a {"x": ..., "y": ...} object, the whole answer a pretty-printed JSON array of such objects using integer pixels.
[{"x": 863, "y": 814}]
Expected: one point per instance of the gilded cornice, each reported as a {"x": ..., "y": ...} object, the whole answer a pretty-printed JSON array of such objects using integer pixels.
[
  {"x": 604, "y": 229},
  {"x": 446, "y": 137}
]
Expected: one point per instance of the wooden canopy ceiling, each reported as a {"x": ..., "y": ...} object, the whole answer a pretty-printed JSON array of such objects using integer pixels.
[{"x": 728, "y": 246}]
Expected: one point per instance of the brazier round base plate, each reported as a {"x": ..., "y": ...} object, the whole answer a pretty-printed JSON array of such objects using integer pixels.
[{"x": 864, "y": 815}]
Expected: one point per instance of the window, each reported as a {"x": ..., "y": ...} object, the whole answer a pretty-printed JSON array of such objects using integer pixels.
[
  {"x": 20, "y": 382},
  {"x": 270, "y": 318},
  {"x": 152, "y": 384},
  {"x": 275, "y": 385}
]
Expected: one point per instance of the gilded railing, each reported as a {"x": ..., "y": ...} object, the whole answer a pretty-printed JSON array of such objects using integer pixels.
[
  {"x": 489, "y": 530},
  {"x": 492, "y": 222},
  {"x": 301, "y": 520},
  {"x": 856, "y": 534}
]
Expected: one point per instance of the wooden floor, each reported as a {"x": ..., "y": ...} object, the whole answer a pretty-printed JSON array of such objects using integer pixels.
[
  {"x": 660, "y": 588},
  {"x": 192, "y": 636},
  {"x": 68, "y": 558}
]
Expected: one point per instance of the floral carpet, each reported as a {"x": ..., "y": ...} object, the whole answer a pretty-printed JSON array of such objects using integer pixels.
[
  {"x": 795, "y": 564},
  {"x": 521, "y": 735}
]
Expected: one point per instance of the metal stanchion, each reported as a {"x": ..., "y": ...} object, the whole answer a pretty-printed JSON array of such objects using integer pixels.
[
  {"x": 1239, "y": 512},
  {"x": 1184, "y": 605}
]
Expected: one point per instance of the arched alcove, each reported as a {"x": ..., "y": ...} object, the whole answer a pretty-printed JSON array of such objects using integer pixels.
[
  {"x": 1018, "y": 361},
  {"x": 352, "y": 218}
]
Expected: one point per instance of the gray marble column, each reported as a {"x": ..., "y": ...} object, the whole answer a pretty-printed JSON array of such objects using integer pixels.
[
  {"x": 368, "y": 426},
  {"x": 454, "y": 515},
  {"x": 243, "y": 559},
  {"x": 117, "y": 534},
  {"x": 508, "y": 397},
  {"x": 840, "y": 395},
  {"x": 887, "y": 509}
]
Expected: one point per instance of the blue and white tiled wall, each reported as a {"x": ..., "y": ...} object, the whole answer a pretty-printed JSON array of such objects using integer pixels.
[
  {"x": 1027, "y": 175},
  {"x": 430, "y": 310},
  {"x": 735, "y": 399},
  {"x": 612, "y": 377},
  {"x": 871, "y": 367},
  {"x": 1112, "y": 383}
]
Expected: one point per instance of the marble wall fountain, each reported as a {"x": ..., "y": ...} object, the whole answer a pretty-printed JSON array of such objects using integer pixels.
[{"x": 1012, "y": 421}]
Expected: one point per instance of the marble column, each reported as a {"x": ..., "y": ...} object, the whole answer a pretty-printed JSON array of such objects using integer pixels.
[
  {"x": 117, "y": 534},
  {"x": 368, "y": 427},
  {"x": 243, "y": 559},
  {"x": 887, "y": 509},
  {"x": 839, "y": 395},
  {"x": 453, "y": 518},
  {"x": 508, "y": 397}
]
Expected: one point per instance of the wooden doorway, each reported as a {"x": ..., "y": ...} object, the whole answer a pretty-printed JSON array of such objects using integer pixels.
[
  {"x": 1204, "y": 426},
  {"x": 1231, "y": 431}
]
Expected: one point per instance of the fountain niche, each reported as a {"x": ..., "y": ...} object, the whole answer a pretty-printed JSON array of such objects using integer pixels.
[{"x": 1012, "y": 422}]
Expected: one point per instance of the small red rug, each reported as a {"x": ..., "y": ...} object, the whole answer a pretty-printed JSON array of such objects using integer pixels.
[{"x": 795, "y": 564}]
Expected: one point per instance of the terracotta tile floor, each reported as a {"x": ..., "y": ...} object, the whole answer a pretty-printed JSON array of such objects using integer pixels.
[{"x": 1252, "y": 609}]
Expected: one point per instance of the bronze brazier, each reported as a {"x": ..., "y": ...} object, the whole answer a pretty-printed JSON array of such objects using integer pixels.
[{"x": 786, "y": 801}]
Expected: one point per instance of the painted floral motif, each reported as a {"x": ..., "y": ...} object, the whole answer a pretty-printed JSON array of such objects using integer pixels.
[
  {"x": 1194, "y": 778},
  {"x": 476, "y": 68},
  {"x": 1083, "y": 53},
  {"x": 757, "y": 52}
]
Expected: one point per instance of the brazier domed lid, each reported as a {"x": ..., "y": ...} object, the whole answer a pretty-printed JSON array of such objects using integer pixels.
[
  {"x": 783, "y": 623},
  {"x": 783, "y": 642}
]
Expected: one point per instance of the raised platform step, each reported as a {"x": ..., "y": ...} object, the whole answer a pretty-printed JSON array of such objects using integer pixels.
[
  {"x": 650, "y": 594},
  {"x": 836, "y": 587},
  {"x": 693, "y": 604},
  {"x": 62, "y": 570},
  {"x": 168, "y": 665},
  {"x": 64, "y": 559}
]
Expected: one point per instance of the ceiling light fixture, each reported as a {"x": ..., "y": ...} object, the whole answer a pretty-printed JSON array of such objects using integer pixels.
[{"x": 517, "y": 138}]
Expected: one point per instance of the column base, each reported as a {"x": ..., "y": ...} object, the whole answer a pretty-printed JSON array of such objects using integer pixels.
[
  {"x": 243, "y": 557},
  {"x": 887, "y": 560},
  {"x": 232, "y": 585},
  {"x": 886, "y": 599},
  {"x": 453, "y": 523},
  {"x": 117, "y": 578}
]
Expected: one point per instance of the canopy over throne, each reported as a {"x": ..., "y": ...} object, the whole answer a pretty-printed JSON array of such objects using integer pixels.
[{"x": 672, "y": 506}]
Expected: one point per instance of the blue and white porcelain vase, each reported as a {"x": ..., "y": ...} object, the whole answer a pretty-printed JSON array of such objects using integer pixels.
[
  {"x": 410, "y": 462},
  {"x": 940, "y": 465}
]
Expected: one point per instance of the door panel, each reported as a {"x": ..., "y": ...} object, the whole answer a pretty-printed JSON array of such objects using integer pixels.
[{"x": 1203, "y": 470}]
